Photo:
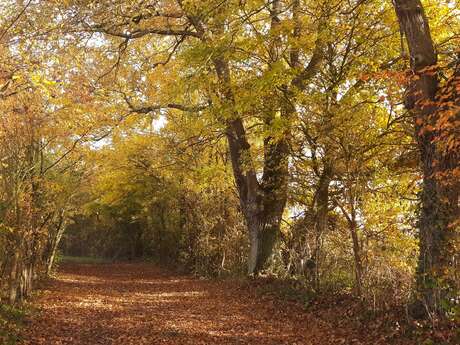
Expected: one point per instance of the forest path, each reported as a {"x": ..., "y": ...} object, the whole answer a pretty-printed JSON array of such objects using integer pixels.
[{"x": 122, "y": 304}]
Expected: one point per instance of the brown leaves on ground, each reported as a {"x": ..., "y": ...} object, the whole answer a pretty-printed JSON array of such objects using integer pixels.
[{"x": 138, "y": 304}]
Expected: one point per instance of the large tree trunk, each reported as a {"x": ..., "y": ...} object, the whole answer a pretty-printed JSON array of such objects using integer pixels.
[
  {"x": 262, "y": 202},
  {"x": 439, "y": 204},
  {"x": 264, "y": 229}
]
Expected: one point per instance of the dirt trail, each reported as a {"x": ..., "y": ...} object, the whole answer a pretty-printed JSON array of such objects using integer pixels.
[{"x": 122, "y": 304}]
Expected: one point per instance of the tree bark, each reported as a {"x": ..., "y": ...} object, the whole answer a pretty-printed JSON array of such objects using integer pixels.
[
  {"x": 262, "y": 203},
  {"x": 54, "y": 243},
  {"x": 439, "y": 204},
  {"x": 322, "y": 213},
  {"x": 13, "y": 283}
]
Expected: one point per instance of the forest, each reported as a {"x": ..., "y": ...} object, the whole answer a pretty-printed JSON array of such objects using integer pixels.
[{"x": 302, "y": 155}]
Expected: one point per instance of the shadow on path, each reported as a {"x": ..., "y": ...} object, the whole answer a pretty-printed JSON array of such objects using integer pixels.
[{"x": 124, "y": 304}]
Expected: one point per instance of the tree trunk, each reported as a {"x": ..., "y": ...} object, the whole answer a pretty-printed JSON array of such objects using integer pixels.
[
  {"x": 322, "y": 213},
  {"x": 353, "y": 228},
  {"x": 356, "y": 256},
  {"x": 60, "y": 228},
  {"x": 263, "y": 233},
  {"x": 262, "y": 202},
  {"x": 25, "y": 281},
  {"x": 439, "y": 204},
  {"x": 13, "y": 281}
]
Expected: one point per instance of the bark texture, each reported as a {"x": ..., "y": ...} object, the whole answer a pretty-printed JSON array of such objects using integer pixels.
[{"x": 439, "y": 202}]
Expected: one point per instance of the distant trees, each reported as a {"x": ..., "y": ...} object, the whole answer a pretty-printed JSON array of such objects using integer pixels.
[{"x": 147, "y": 201}]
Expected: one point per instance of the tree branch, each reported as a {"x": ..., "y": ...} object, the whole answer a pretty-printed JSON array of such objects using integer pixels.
[
  {"x": 20, "y": 14},
  {"x": 300, "y": 81},
  {"x": 177, "y": 106},
  {"x": 141, "y": 33}
]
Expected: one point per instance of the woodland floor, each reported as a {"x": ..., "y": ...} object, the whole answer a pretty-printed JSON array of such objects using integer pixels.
[{"x": 121, "y": 304}]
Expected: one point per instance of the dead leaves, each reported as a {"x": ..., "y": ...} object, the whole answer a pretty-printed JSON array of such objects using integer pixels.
[{"x": 140, "y": 304}]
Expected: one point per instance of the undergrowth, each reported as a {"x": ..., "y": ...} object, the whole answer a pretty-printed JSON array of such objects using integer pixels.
[
  {"x": 344, "y": 310},
  {"x": 11, "y": 322}
]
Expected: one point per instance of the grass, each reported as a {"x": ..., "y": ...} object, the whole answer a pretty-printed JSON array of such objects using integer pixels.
[
  {"x": 83, "y": 260},
  {"x": 287, "y": 290},
  {"x": 11, "y": 321}
]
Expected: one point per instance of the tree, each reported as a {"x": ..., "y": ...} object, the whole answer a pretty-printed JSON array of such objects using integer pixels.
[
  {"x": 277, "y": 27},
  {"x": 439, "y": 211}
]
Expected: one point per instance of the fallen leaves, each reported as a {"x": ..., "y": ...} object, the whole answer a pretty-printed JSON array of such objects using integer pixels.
[{"x": 122, "y": 304}]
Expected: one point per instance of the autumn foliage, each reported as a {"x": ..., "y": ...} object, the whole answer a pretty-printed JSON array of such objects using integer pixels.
[{"x": 314, "y": 142}]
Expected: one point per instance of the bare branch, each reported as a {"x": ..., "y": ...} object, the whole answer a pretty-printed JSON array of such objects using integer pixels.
[
  {"x": 152, "y": 108},
  {"x": 141, "y": 33},
  {"x": 182, "y": 107},
  {"x": 20, "y": 14}
]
